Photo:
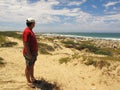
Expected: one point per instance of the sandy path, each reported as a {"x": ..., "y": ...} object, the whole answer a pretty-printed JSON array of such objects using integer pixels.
[{"x": 67, "y": 77}]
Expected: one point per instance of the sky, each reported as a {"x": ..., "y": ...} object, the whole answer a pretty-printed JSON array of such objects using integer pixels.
[{"x": 61, "y": 15}]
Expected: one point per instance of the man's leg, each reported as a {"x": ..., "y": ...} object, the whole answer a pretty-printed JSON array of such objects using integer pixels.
[
  {"x": 32, "y": 73},
  {"x": 27, "y": 73}
]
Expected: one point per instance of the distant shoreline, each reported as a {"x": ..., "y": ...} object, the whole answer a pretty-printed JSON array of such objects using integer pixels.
[{"x": 81, "y": 37}]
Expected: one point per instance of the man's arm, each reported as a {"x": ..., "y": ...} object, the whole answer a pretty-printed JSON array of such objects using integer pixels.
[{"x": 26, "y": 45}]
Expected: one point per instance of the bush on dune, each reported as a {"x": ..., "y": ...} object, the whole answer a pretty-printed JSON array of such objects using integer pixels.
[
  {"x": 64, "y": 60},
  {"x": 2, "y": 39},
  {"x": 45, "y": 48},
  {"x": 97, "y": 63},
  {"x": 86, "y": 45},
  {"x": 4, "y": 42},
  {"x": 11, "y": 34},
  {"x": 1, "y": 61},
  {"x": 8, "y": 44}
]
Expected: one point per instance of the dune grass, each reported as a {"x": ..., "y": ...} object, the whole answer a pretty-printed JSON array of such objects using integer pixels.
[
  {"x": 98, "y": 62},
  {"x": 45, "y": 48},
  {"x": 4, "y": 42},
  {"x": 64, "y": 60},
  {"x": 8, "y": 44},
  {"x": 87, "y": 45},
  {"x": 1, "y": 61},
  {"x": 2, "y": 39},
  {"x": 11, "y": 34}
]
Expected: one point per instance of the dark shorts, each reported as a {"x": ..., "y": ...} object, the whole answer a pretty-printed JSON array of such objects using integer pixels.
[{"x": 30, "y": 62}]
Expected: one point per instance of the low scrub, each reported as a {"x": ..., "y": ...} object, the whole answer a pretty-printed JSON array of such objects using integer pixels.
[
  {"x": 1, "y": 61},
  {"x": 97, "y": 63},
  {"x": 64, "y": 60},
  {"x": 103, "y": 52},
  {"x": 11, "y": 34},
  {"x": 2, "y": 39},
  {"x": 76, "y": 56},
  {"x": 86, "y": 45},
  {"x": 45, "y": 48},
  {"x": 8, "y": 44}
]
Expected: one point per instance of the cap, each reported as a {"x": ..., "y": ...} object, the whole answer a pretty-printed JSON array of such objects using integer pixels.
[{"x": 30, "y": 20}]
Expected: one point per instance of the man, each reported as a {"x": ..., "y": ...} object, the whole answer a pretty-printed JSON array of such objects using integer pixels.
[{"x": 30, "y": 51}]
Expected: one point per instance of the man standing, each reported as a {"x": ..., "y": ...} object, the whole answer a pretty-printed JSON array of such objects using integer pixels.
[{"x": 30, "y": 51}]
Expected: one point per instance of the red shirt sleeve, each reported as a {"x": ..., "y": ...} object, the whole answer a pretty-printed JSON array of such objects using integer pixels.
[{"x": 26, "y": 36}]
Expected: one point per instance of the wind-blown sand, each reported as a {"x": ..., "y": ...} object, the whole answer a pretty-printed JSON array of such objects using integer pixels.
[{"x": 71, "y": 76}]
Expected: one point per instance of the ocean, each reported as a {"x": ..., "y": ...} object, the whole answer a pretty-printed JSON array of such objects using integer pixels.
[{"x": 111, "y": 36}]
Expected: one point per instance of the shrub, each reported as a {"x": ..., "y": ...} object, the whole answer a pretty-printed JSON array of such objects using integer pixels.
[
  {"x": 8, "y": 44},
  {"x": 11, "y": 34},
  {"x": 2, "y": 39},
  {"x": 90, "y": 47},
  {"x": 1, "y": 61},
  {"x": 103, "y": 52},
  {"x": 97, "y": 63},
  {"x": 75, "y": 56},
  {"x": 64, "y": 60},
  {"x": 86, "y": 45},
  {"x": 45, "y": 48},
  {"x": 68, "y": 42}
]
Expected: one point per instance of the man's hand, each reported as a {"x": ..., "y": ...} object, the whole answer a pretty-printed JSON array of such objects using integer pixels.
[{"x": 30, "y": 56}]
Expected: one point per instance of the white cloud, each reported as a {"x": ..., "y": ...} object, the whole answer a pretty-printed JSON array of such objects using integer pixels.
[
  {"x": 111, "y": 4},
  {"x": 77, "y": 3}
]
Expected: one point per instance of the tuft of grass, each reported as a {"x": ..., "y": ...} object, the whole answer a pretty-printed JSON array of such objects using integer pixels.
[
  {"x": 45, "y": 48},
  {"x": 75, "y": 56},
  {"x": 69, "y": 42},
  {"x": 64, "y": 60},
  {"x": 1, "y": 61},
  {"x": 97, "y": 63}
]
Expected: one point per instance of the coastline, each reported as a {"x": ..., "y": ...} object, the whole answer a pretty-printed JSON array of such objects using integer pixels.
[{"x": 82, "y": 37}]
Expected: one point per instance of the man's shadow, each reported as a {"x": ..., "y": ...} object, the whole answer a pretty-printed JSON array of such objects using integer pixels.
[{"x": 44, "y": 85}]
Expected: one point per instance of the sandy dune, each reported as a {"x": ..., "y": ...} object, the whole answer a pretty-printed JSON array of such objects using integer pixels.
[{"x": 71, "y": 76}]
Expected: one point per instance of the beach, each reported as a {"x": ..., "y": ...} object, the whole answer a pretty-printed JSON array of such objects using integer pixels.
[{"x": 64, "y": 63}]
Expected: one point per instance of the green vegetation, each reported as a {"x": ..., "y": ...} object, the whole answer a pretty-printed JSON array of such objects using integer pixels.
[
  {"x": 4, "y": 42},
  {"x": 97, "y": 63},
  {"x": 8, "y": 44},
  {"x": 86, "y": 45},
  {"x": 103, "y": 52},
  {"x": 64, "y": 60},
  {"x": 110, "y": 58},
  {"x": 1, "y": 61},
  {"x": 11, "y": 34},
  {"x": 2, "y": 39},
  {"x": 45, "y": 48},
  {"x": 75, "y": 56}
]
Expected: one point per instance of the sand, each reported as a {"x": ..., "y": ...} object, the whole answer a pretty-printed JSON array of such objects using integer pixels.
[{"x": 71, "y": 76}]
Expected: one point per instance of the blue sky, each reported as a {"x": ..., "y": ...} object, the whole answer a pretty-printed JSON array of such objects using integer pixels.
[{"x": 61, "y": 15}]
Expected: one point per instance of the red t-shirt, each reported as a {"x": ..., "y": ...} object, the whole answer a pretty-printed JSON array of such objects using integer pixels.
[{"x": 29, "y": 36}]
